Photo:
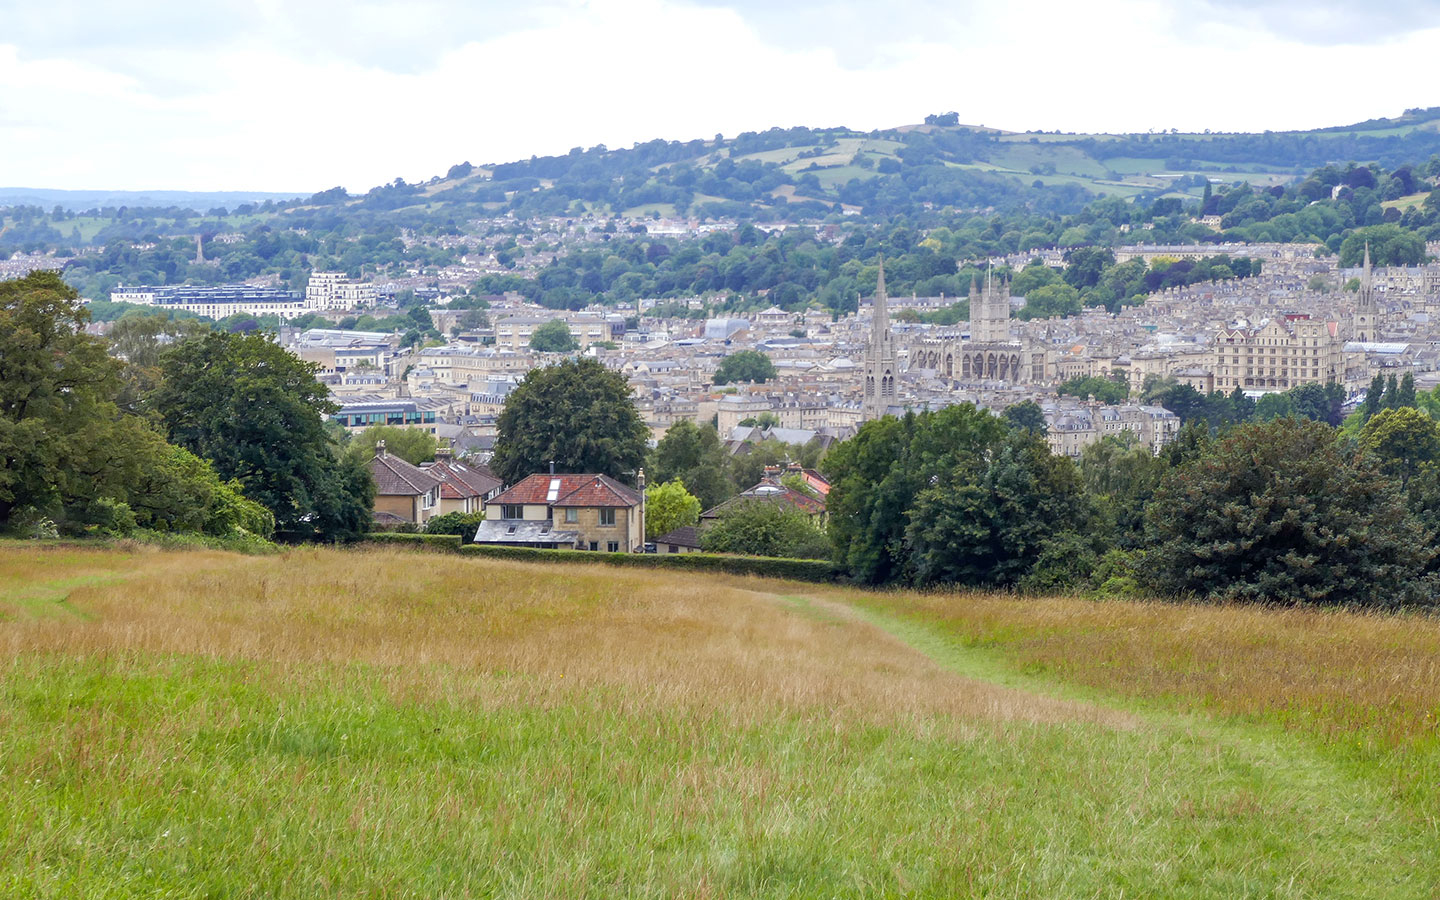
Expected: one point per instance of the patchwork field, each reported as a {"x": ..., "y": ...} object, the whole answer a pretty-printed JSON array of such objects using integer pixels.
[{"x": 392, "y": 724}]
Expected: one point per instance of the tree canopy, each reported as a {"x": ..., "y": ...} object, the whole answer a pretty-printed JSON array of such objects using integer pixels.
[
  {"x": 1276, "y": 512},
  {"x": 694, "y": 455},
  {"x": 763, "y": 528},
  {"x": 745, "y": 365},
  {"x": 69, "y": 453},
  {"x": 669, "y": 506},
  {"x": 257, "y": 412},
  {"x": 553, "y": 337},
  {"x": 577, "y": 414}
]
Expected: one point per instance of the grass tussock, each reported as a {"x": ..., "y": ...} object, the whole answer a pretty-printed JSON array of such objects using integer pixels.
[{"x": 378, "y": 723}]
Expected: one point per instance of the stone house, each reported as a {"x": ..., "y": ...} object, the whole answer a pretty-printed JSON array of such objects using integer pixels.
[{"x": 567, "y": 511}]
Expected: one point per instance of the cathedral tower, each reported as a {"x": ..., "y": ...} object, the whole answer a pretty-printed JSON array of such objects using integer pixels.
[{"x": 990, "y": 312}]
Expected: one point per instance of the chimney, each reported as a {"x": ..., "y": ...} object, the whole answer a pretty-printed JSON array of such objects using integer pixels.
[
  {"x": 380, "y": 449},
  {"x": 552, "y": 467},
  {"x": 444, "y": 454}
]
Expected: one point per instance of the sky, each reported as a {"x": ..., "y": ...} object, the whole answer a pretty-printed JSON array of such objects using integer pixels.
[{"x": 304, "y": 95}]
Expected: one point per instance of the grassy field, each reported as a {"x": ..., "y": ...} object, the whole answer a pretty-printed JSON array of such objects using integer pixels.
[{"x": 394, "y": 724}]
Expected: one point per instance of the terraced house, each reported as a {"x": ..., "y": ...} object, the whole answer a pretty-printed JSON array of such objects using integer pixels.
[
  {"x": 569, "y": 512},
  {"x": 403, "y": 492}
]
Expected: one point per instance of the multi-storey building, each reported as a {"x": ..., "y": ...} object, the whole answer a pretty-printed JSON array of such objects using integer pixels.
[
  {"x": 1287, "y": 351},
  {"x": 513, "y": 333},
  {"x": 581, "y": 512},
  {"x": 216, "y": 301},
  {"x": 332, "y": 290}
]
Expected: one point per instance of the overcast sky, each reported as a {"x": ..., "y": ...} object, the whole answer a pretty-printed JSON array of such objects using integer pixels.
[{"x": 302, "y": 95}]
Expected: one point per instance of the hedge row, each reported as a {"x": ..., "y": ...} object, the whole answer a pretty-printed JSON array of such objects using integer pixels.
[
  {"x": 434, "y": 541},
  {"x": 815, "y": 570}
]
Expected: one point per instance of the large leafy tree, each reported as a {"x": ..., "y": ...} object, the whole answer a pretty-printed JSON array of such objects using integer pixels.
[
  {"x": 577, "y": 414},
  {"x": 257, "y": 412},
  {"x": 1275, "y": 512},
  {"x": 57, "y": 387},
  {"x": 553, "y": 337},
  {"x": 877, "y": 475},
  {"x": 669, "y": 506},
  {"x": 693, "y": 454},
  {"x": 763, "y": 528},
  {"x": 68, "y": 451},
  {"x": 1402, "y": 441},
  {"x": 989, "y": 518},
  {"x": 1120, "y": 476},
  {"x": 745, "y": 365},
  {"x": 413, "y": 445}
]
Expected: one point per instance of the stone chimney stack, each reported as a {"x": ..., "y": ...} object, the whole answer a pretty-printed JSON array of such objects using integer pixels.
[{"x": 380, "y": 449}]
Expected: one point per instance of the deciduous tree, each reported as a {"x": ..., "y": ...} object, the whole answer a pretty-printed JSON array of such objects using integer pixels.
[
  {"x": 577, "y": 414},
  {"x": 669, "y": 506},
  {"x": 257, "y": 412},
  {"x": 1274, "y": 512}
]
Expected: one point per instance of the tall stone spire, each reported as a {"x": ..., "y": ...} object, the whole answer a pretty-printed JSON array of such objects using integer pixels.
[
  {"x": 882, "y": 313},
  {"x": 1367, "y": 283},
  {"x": 1366, "y": 323},
  {"x": 880, "y": 366}
]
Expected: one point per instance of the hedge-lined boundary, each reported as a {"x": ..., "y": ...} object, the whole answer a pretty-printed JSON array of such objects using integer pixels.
[
  {"x": 434, "y": 541},
  {"x": 814, "y": 570}
]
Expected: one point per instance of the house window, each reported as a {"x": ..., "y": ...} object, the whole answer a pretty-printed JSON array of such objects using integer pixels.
[
  {"x": 594, "y": 545},
  {"x": 674, "y": 549},
  {"x": 512, "y": 511},
  {"x": 572, "y": 516},
  {"x": 607, "y": 517},
  {"x": 612, "y": 547}
]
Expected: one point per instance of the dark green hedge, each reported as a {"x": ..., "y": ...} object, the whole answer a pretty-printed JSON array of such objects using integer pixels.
[
  {"x": 433, "y": 541},
  {"x": 816, "y": 570}
]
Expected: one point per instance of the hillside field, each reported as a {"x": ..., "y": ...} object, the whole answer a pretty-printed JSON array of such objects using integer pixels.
[{"x": 384, "y": 723}]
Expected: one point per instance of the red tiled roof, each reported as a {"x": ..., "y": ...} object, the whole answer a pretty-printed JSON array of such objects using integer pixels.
[
  {"x": 394, "y": 476},
  {"x": 570, "y": 490}
]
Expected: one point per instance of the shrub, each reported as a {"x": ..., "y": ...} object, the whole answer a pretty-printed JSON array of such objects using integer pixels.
[{"x": 456, "y": 523}]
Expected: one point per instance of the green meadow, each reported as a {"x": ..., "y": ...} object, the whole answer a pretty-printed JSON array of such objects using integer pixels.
[{"x": 384, "y": 723}]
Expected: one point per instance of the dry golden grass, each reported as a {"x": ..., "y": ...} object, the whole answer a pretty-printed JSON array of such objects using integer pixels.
[
  {"x": 389, "y": 723},
  {"x": 1338, "y": 671},
  {"x": 709, "y": 644},
  {"x": 1366, "y": 684}
]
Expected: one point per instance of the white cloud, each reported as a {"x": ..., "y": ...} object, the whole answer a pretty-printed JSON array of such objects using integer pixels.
[{"x": 283, "y": 103}]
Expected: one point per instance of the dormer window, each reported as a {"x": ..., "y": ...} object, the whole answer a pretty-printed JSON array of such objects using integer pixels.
[{"x": 512, "y": 511}]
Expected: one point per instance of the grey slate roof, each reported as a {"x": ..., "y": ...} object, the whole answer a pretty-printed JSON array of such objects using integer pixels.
[{"x": 522, "y": 531}]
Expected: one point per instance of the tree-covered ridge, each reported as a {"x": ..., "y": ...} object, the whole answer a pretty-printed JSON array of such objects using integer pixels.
[{"x": 929, "y": 194}]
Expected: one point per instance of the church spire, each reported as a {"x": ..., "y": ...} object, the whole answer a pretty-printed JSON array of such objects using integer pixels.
[
  {"x": 880, "y": 366},
  {"x": 882, "y": 314},
  {"x": 1367, "y": 282}
]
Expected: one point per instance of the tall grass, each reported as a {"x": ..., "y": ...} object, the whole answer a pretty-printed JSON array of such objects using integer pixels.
[
  {"x": 1365, "y": 686},
  {"x": 406, "y": 725}
]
